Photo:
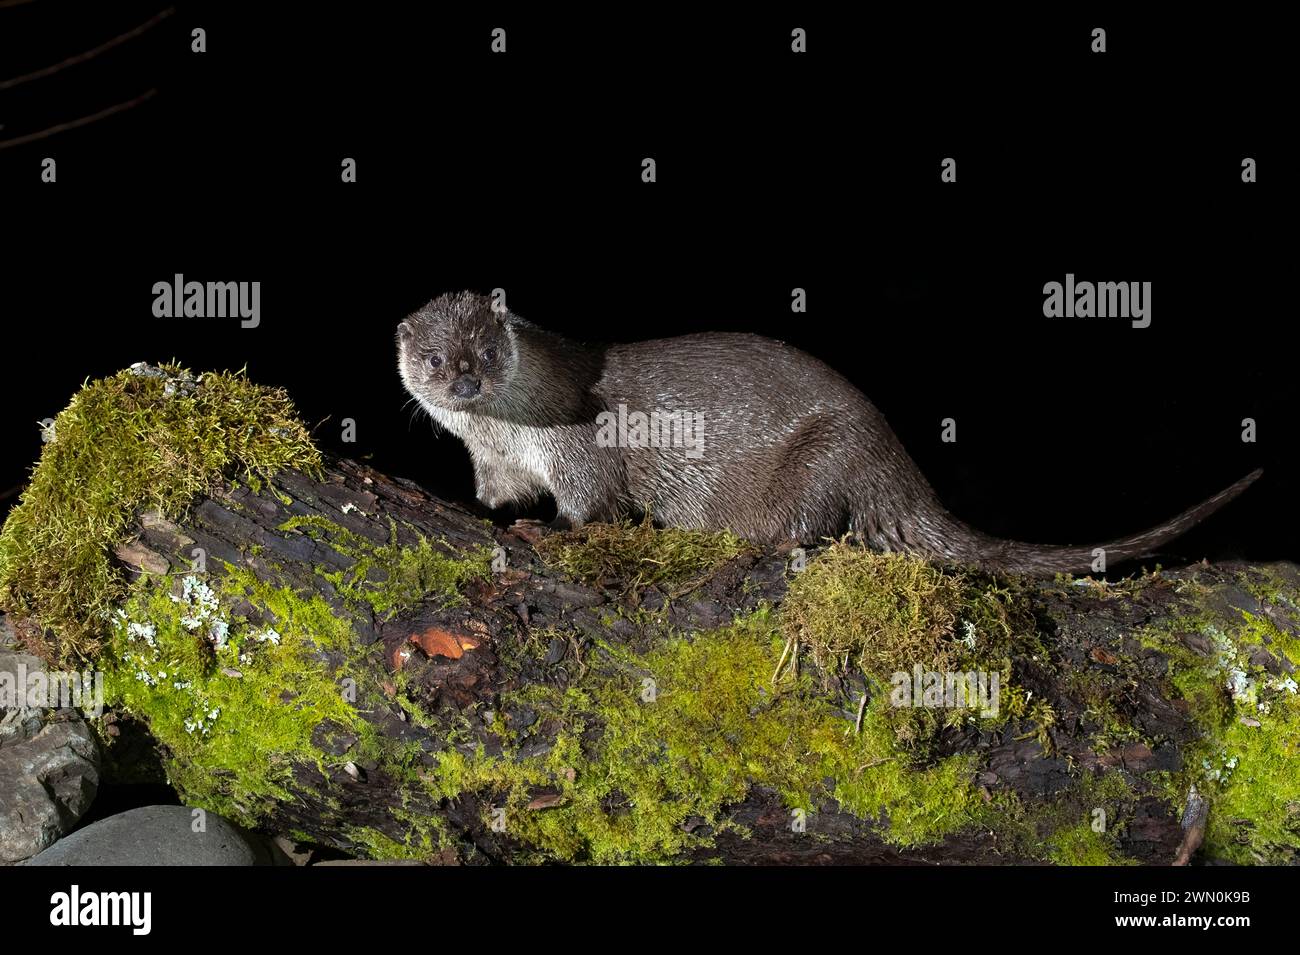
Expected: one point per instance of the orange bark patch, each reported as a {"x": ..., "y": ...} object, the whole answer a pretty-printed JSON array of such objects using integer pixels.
[
  {"x": 400, "y": 655},
  {"x": 437, "y": 642}
]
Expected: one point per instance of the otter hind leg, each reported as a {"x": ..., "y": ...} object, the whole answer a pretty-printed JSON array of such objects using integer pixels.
[{"x": 805, "y": 497}]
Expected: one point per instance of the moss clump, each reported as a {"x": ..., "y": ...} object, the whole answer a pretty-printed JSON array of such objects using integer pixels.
[
  {"x": 141, "y": 439},
  {"x": 640, "y": 554},
  {"x": 650, "y": 756},
  {"x": 1080, "y": 826},
  {"x": 875, "y": 779},
  {"x": 234, "y": 704},
  {"x": 1083, "y": 845},
  {"x": 884, "y": 613},
  {"x": 377, "y": 845},
  {"x": 1255, "y": 789},
  {"x": 890, "y": 615},
  {"x": 1097, "y": 692},
  {"x": 390, "y": 578},
  {"x": 1246, "y": 762}
]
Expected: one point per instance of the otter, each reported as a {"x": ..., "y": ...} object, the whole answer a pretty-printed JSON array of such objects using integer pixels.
[{"x": 787, "y": 449}]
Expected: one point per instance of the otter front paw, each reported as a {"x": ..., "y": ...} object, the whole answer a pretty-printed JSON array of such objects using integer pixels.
[
  {"x": 497, "y": 486},
  {"x": 491, "y": 495}
]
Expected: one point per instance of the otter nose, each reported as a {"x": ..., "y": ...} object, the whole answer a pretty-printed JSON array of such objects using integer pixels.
[{"x": 465, "y": 386}]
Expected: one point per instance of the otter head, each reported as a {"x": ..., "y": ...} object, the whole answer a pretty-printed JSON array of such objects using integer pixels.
[{"x": 456, "y": 353}]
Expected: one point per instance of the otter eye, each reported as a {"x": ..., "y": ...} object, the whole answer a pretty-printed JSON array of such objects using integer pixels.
[
  {"x": 489, "y": 355},
  {"x": 434, "y": 359}
]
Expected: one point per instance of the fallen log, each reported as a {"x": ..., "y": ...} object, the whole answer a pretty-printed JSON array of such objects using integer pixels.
[{"x": 328, "y": 652}]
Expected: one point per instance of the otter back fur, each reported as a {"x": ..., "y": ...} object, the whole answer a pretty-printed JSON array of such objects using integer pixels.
[{"x": 787, "y": 450}]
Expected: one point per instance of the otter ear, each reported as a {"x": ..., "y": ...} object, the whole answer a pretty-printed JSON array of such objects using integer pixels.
[{"x": 405, "y": 332}]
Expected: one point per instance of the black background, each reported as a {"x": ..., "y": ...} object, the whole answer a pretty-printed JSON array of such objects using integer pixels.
[{"x": 775, "y": 171}]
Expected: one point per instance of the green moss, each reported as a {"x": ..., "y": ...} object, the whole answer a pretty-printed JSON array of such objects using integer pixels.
[
  {"x": 419, "y": 846},
  {"x": 1083, "y": 845},
  {"x": 127, "y": 443},
  {"x": 884, "y": 613},
  {"x": 235, "y": 705},
  {"x": 649, "y": 758},
  {"x": 639, "y": 554},
  {"x": 390, "y": 578},
  {"x": 1246, "y": 760},
  {"x": 1270, "y": 586},
  {"x": 875, "y": 779},
  {"x": 1079, "y": 826},
  {"x": 1096, "y": 691},
  {"x": 377, "y": 845},
  {"x": 1255, "y": 789},
  {"x": 654, "y": 749},
  {"x": 1105, "y": 801},
  {"x": 1261, "y": 631}
]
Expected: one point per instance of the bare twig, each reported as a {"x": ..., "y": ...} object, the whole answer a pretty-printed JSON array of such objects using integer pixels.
[
  {"x": 82, "y": 121},
  {"x": 780, "y": 664},
  {"x": 92, "y": 53}
]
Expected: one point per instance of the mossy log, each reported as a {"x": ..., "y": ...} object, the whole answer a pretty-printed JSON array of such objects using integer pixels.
[
  {"x": 324, "y": 651},
  {"x": 484, "y": 700}
]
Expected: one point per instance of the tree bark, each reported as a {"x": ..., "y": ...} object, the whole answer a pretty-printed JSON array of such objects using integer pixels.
[{"x": 459, "y": 661}]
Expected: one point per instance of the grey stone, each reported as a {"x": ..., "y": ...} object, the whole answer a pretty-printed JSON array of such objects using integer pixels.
[
  {"x": 155, "y": 835},
  {"x": 288, "y": 851},
  {"x": 49, "y": 765}
]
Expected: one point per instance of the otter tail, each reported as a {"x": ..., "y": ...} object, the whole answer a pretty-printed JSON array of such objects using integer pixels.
[{"x": 991, "y": 553}]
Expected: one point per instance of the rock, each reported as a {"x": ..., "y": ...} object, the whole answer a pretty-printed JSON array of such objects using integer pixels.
[
  {"x": 49, "y": 764},
  {"x": 287, "y": 851},
  {"x": 155, "y": 835}
]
